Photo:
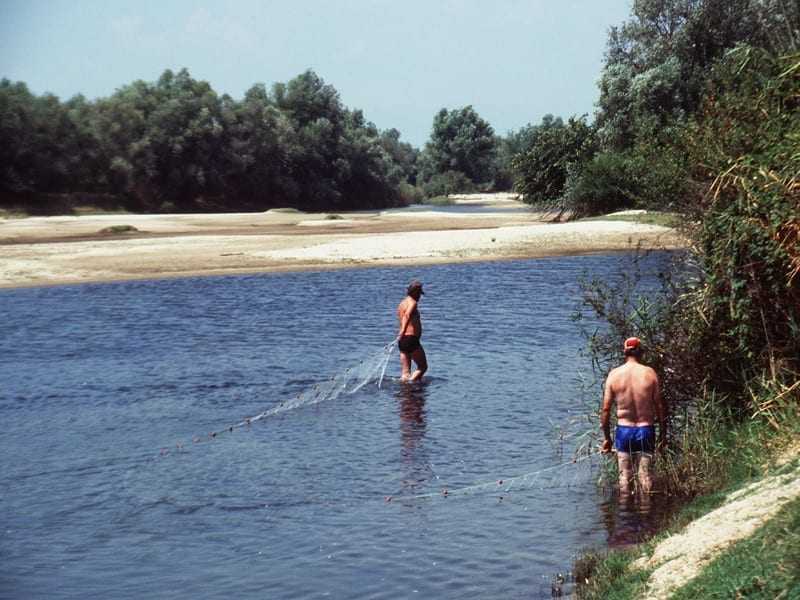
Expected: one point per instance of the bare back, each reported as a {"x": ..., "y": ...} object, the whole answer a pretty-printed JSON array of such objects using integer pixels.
[
  {"x": 408, "y": 314},
  {"x": 634, "y": 388}
]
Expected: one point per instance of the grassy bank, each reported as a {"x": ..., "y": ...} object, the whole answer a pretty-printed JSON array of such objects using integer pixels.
[{"x": 764, "y": 565}]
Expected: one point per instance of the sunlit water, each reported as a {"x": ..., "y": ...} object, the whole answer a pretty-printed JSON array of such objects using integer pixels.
[{"x": 111, "y": 486}]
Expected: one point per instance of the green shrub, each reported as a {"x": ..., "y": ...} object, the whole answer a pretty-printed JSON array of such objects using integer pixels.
[
  {"x": 410, "y": 194},
  {"x": 540, "y": 172},
  {"x": 602, "y": 185},
  {"x": 449, "y": 182}
]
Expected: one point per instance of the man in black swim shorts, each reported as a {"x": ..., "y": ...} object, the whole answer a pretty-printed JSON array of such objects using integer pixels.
[{"x": 408, "y": 339}]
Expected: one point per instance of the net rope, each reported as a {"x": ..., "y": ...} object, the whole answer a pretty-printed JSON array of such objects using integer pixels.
[
  {"x": 541, "y": 478},
  {"x": 349, "y": 381}
]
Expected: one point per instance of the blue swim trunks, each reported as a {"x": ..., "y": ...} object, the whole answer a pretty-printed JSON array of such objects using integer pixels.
[{"x": 635, "y": 439}]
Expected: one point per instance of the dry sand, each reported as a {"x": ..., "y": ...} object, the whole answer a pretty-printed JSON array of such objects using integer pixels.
[{"x": 59, "y": 250}]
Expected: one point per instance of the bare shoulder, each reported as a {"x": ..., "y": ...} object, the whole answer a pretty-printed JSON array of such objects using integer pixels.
[
  {"x": 651, "y": 372},
  {"x": 406, "y": 305},
  {"x": 613, "y": 374}
]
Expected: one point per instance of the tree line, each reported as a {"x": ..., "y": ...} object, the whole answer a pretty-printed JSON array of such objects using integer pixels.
[{"x": 176, "y": 145}]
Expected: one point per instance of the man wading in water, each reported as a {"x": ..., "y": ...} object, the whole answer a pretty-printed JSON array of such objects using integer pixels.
[
  {"x": 635, "y": 390},
  {"x": 410, "y": 333}
]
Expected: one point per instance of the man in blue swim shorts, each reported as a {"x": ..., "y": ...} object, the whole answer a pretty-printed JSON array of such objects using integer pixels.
[{"x": 634, "y": 388}]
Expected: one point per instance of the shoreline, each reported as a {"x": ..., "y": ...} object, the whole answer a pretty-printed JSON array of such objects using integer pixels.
[
  {"x": 310, "y": 268},
  {"x": 47, "y": 251}
]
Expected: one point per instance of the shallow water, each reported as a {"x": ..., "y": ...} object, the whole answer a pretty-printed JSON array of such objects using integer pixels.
[{"x": 343, "y": 498}]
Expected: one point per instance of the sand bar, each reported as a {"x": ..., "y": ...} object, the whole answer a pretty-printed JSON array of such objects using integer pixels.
[{"x": 39, "y": 251}]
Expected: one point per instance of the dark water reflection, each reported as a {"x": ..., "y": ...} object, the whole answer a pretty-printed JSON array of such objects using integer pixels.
[
  {"x": 630, "y": 519},
  {"x": 101, "y": 382},
  {"x": 415, "y": 459}
]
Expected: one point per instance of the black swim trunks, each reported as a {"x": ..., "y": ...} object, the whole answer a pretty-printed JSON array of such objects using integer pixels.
[{"x": 409, "y": 343}]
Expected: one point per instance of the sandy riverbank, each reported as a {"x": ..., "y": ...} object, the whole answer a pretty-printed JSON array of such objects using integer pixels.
[{"x": 59, "y": 250}]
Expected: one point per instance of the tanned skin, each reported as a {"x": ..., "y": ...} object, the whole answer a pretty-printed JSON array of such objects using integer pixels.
[
  {"x": 635, "y": 389},
  {"x": 411, "y": 324}
]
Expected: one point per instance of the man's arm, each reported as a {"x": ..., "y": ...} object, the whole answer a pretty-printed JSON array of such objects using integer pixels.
[{"x": 605, "y": 416}]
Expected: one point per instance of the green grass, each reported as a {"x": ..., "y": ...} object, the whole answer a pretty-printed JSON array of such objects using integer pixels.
[
  {"x": 734, "y": 456},
  {"x": 766, "y": 565},
  {"x": 333, "y": 217},
  {"x": 606, "y": 576},
  {"x": 664, "y": 219}
]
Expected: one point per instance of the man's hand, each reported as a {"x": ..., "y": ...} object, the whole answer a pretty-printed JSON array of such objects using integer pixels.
[{"x": 605, "y": 448}]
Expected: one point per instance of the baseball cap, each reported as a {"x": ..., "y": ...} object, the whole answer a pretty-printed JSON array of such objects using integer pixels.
[
  {"x": 631, "y": 343},
  {"x": 415, "y": 285}
]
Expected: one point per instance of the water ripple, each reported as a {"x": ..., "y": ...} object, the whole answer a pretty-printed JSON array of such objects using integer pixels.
[{"x": 106, "y": 386}]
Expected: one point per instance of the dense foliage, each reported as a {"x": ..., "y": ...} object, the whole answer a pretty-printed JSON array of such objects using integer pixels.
[
  {"x": 657, "y": 71},
  {"x": 461, "y": 153},
  {"x": 745, "y": 143},
  {"x": 724, "y": 334},
  {"x": 552, "y": 151},
  {"x": 177, "y": 145}
]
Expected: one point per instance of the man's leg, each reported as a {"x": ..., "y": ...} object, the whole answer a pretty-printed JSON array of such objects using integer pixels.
[
  {"x": 405, "y": 366},
  {"x": 625, "y": 463},
  {"x": 646, "y": 472},
  {"x": 422, "y": 363}
]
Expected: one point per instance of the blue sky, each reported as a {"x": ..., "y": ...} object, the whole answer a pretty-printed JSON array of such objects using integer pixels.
[{"x": 400, "y": 62}]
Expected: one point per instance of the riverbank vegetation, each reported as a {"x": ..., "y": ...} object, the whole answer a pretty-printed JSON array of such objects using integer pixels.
[
  {"x": 175, "y": 145},
  {"x": 699, "y": 113}
]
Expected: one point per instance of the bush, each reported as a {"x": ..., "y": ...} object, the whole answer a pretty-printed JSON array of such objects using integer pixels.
[
  {"x": 449, "y": 182},
  {"x": 745, "y": 148},
  {"x": 541, "y": 171},
  {"x": 604, "y": 184},
  {"x": 651, "y": 176},
  {"x": 410, "y": 194}
]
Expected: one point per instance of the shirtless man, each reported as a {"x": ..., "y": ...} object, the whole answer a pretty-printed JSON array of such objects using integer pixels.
[
  {"x": 410, "y": 333},
  {"x": 635, "y": 389}
]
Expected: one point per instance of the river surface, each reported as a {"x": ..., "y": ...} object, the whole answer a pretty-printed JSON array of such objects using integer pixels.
[{"x": 456, "y": 488}]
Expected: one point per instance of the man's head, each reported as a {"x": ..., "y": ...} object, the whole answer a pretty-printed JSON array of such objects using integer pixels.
[
  {"x": 415, "y": 289},
  {"x": 632, "y": 347}
]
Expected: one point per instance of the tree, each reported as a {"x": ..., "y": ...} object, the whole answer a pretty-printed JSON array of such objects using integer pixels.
[
  {"x": 516, "y": 143},
  {"x": 403, "y": 156},
  {"x": 657, "y": 63},
  {"x": 257, "y": 164},
  {"x": 461, "y": 141},
  {"x": 175, "y": 145},
  {"x": 541, "y": 171},
  {"x": 165, "y": 140}
]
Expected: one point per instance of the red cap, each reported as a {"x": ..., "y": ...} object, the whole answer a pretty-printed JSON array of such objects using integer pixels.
[{"x": 631, "y": 343}]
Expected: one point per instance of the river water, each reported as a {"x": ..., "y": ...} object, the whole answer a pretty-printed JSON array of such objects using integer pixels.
[{"x": 461, "y": 487}]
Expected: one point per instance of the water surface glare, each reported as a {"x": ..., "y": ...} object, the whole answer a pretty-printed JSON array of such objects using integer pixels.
[{"x": 340, "y": 498}]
